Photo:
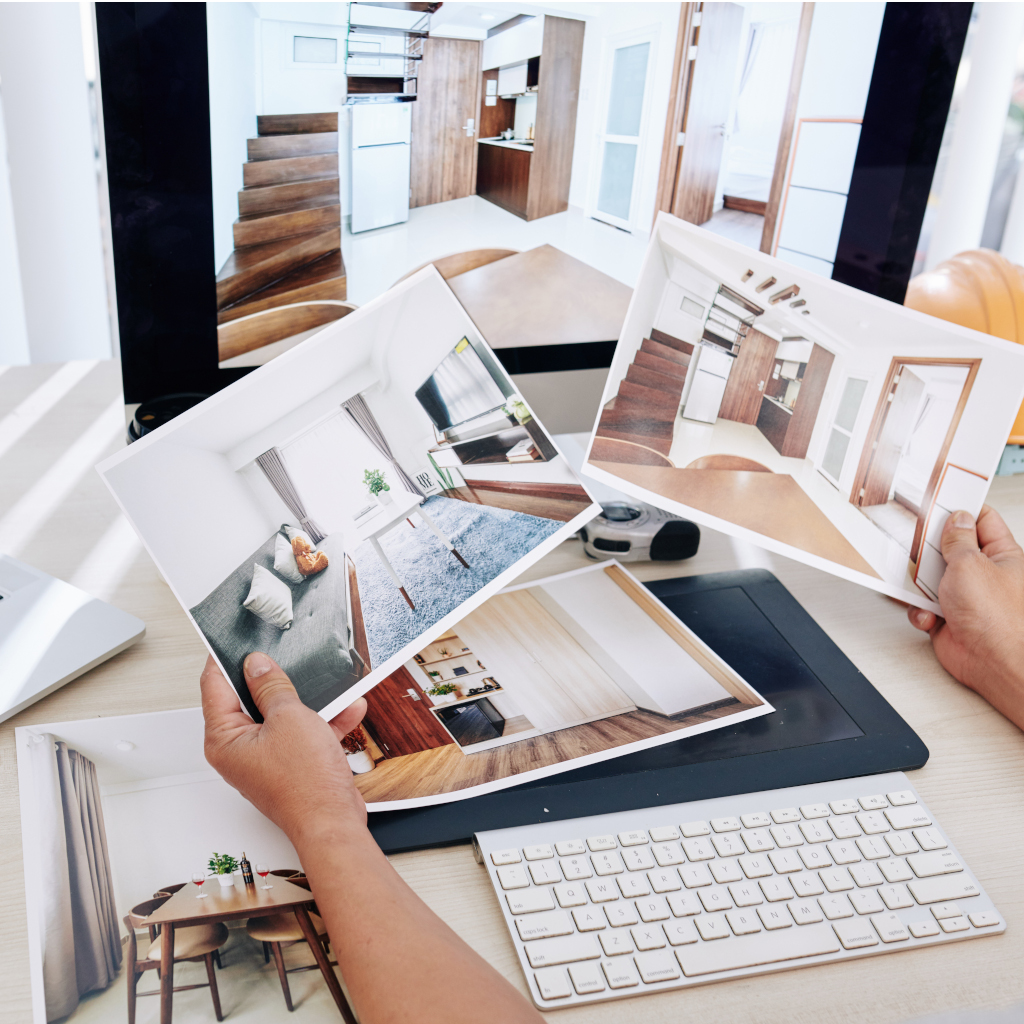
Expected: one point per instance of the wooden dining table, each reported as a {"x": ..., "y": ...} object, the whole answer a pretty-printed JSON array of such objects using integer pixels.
[{"x": 230, "y": 903}]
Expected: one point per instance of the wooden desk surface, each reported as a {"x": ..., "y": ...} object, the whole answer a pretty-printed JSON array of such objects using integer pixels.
[
  {"x": 542, "y": 297},
  {"x": 225, "y": 902},
  {"x": 973, "y": 780}
]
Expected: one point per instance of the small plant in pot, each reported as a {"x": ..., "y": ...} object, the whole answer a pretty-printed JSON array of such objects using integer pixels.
[
  {"x": 377, "y": 485},
  {"x": 443, "y": 693},
  {"x": 224, "y": 866},
  {"x": 517, "y": 411},
  {"x": 358, "y": 757}
]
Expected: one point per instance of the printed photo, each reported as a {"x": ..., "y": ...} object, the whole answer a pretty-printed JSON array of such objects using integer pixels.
[
  {"x": 343, "y": 505},
  {"x": 816, "y": 420}
]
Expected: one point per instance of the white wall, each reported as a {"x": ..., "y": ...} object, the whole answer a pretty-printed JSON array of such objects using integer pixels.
[
  {"x": 14, "y": 350},
  {"x": 53, "y": 181},
  {"x": 231, "y": 50}
]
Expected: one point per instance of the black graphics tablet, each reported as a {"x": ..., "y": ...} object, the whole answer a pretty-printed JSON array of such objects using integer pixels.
[{"x": 829, "y": 723}]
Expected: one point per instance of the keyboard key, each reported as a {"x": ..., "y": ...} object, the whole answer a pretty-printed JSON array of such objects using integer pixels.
[
  {"x": 655, "y": 967},
  {"x": 873, "y": 848},
  {"x": 922, "y": 929},
  {"x": 695, "y": 828},
  {"x": 667, "y": 854},
  {"x": 599, "y": 843},
  {"x": 607, "y": 863},
  {"x": 632, "y": 886},
  {"x": 984, "y": 918},
  {"x": 602, "y": 892},
  {"x": 843, "y": 852},
  {"x": 664, "y": 834},
  {"x": 746, "y": 894},
  {"x": 544, "y": 926},
  {"x": 895, "y": 897},
  {"x": 907, "y": 817},
  {"x": 684, "y": 904},
  {"x": 806, "y": 884},
  {"x": 902, "y": 798},
  {"x": 725, "y": 871},
  {"x": 712, "y": 926},
  {"x": 873, "y": 803},
  {"x": 586, "y": 978},
  {"x": 616, "y": 943},
  {"x": 664, "y": 881},
  {"x": 866, "y": 874},
  {"x": 895, "y": 870},
  {"x": 543, "y": 852},
  {"x": 570, "y": 847},
  {"x": 925, "y": 865},
  {"x": 654, "y": 908},
  {"x": 930, "y": 839},
  {"x": 815, "y": 857},
  {"x": 754, "y": 950},
  {"x": 954, "y": 924},
  {"x": 805, "y": 911},
  {"x": 866, "y": 902},
  {"x": 621, "y": 914},
  {"x": 816, "y": 831},
  {"x": 836, "y": 879},
  {"x": 785, "y": 861},
  {"x": 756, "y": 820},
  {"x": 501, "y": 857},
  {"x": 844, "y": 806},
  {"x": 873, "y": 822},
  {"x": 680, "y": 933},
  {"x": 647, "y": 936},
  {"x": 786, "y": 836},
  {"x": 531, "y": 901},
  {"x": 570, "y": 896},
  {"x": 725, "y": 824},
  {"x": 513, "y": 878},
  {"x": 545, "y": 872},
  {"x": 835, "y": 908},
  {"x": 552, "y": 983},
  {"x": 854, "y": 934},
  {"x": 845, "y": 827},
  {"x": 620, "y": 973},
  {"x": 715, "y": 898},
  {"x": 632, "y": 838},
  {"x": 944, "y": 887},
  {"x": 743, "y": 922},
  {"x": 941, "y": 910},
  {"x": 815, "y": 810},
  {"x": 756, "y": 866},
  {"x": 550, "y": 952},
  {"x": 774, "y": 918},
  {"x": 776, "y": 889},
  {"x": 638, "y": 859},
  {"x": 757, "y": 840},
  {"x": 785, "y": 815},
  {"x": 901, "y": 843},
  {"x": 575, "y": 868},
  {"x": 698, "y": 849},
  {"x": 728, "y": 845},
  {"x": 890, "y": 928},
  {"x": 694, "y": 875}
]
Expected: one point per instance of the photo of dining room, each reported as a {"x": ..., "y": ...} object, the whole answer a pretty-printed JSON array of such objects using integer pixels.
[
  {"x": 540, "y": 678},
  {"x": 333, "y": 507},
  {"x": 819, "y": 421},
  {"x": 132, "y": 841}
]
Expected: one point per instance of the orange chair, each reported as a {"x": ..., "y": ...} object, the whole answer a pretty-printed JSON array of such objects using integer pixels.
[{"x": 979, "y": 289}]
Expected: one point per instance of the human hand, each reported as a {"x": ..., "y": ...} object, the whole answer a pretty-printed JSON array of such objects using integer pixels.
[
  {"x": 291, "y": 766},
  {"x": 980, "y": 638}
]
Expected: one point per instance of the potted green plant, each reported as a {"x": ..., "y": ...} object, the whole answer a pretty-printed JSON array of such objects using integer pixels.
[
  {"x": 224, "y": 866},
  {"x": 443, "y": 693},
  {"x": 377, "y": 485},
  {"x": 354, "y": 744},
  {"x": 517, "y": 410}
]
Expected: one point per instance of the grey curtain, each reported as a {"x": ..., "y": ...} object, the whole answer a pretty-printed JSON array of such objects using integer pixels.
[
  {"x": 274, "y": 469},
  {"x": 359, "y": 413},
  {"x": 79, "y": 932}
]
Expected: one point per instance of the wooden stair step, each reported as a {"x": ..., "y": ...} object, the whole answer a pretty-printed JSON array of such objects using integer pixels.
[
  {"x": 659, "y": 444},
  {"x": 292, "y": 168},
  {"x": 669, "y": 383},
  {"x": 310, "y": 215},
  {"x": 614, "y": 449},
  {"x": 325, "y": 278},
  {"x": 254, "y": 267},
  {"x": 257, "y": 199},
  {"x": 636, "y": 419},
  {"x": 667, "y": 339},
  {"x": 666, "y": 367},
  {"x": 296, "y": 124},
  {"x": 274, "y": 147},
  {"x": 648, "y": 396},
  {"x": 666, "y": 352},
  {"x": 239, "y": 336}
]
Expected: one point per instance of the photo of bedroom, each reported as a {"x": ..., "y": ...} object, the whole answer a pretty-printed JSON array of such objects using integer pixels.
[
  {"x": 542, "y": 677},
  {"x": 332, "y": 509},
  {"x": 822, "y": 422}
]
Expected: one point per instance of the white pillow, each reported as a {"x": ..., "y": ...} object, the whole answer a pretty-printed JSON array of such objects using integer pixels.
[
  {"x": 284, "y": 561},
  {"x": 269, "y": 598}
]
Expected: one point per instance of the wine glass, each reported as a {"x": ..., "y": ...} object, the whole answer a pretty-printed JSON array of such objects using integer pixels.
[
  {"x": 198, "y": 878},
  {"x": 262, "y": 870}
]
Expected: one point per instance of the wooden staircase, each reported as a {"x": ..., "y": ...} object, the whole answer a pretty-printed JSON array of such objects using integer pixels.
[
  {"x": 644, "y": 411},
  {"x": 287, "y": 236}
]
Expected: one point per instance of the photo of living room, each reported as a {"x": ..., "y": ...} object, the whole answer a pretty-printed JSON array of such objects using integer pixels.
[
  {"x": 823, "y": 423},
  {"x": 334, "y": 508},
  {"x": 542, "y": 677}
]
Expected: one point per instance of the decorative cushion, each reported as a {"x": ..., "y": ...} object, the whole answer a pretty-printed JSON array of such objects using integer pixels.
[
  {"x": 308, "y": 560},
  {"x": 284, "y": 561},
  {"x": 197, "y": 940},
  {"x": 281, "y": 928},
  {"x": 269, "y": 598}
]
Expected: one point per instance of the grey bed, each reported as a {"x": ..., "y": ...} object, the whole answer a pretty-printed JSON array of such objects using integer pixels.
[{"x": 316, "y": 652}]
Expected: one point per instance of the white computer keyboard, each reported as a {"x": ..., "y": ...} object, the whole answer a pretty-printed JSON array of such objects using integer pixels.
[{"x": 665, "y": 897}]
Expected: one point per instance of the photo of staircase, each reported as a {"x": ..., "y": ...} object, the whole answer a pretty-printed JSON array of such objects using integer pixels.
[
  {"x": 636, "y": 425},
  {"x": 286, "y": 275}
]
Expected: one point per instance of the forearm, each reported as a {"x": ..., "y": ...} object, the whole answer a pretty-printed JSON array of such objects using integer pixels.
[{"x": 400, "y": 962}]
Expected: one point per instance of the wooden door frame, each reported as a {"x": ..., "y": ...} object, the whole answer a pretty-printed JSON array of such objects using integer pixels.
[{"x": 878, "y": 424}]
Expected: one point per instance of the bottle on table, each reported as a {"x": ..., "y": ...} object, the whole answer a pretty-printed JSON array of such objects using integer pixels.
[{"x": 247, "y": 870}]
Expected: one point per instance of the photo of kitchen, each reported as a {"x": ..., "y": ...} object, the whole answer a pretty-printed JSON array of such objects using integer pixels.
[
  {"x": 542, "y": 677},
  {"x": 838, "y": 428},
  {"x": 360, "y": 493}
]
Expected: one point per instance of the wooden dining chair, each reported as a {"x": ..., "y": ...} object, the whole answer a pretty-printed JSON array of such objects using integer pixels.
[
  {"x": 248, "y": 333},
  {"x": 461, "y": 262},
  {"x": 734, "y": 462},
  {"x": 195, "y": 943},
  {"x": 169, "y": 890}
]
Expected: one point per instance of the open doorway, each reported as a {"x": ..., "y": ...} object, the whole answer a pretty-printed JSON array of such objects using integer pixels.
[{"x": 905, "y": 450}]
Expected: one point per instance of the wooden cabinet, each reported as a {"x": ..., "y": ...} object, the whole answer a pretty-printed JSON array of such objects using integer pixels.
[
  {"x": 503, "y": 177},
  {"x": 790, "y": 433},
  {"x": 773, "y": 421}
]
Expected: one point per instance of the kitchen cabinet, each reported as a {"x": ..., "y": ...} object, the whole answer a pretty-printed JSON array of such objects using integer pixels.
[
  {"x": 503, "y": 177},
  {"x": 516, "y": 44},
  {"x": 774, "y": 421},
  {"x": 790, "y": 432},
  {"x": 512, "y": 80}
]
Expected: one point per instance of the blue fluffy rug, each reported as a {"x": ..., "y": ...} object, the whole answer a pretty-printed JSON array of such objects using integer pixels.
[{"x": 490, "y": 539}]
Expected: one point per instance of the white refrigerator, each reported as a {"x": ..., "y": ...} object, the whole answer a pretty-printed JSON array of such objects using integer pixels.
[
  {"x": 381, "y": 136},
  {"x": 710, "y": 376}
]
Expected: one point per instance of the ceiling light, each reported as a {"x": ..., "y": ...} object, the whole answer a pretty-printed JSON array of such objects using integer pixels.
[
  {"x": 766, "y": 283},
  {"x": 125, "y": 745}
]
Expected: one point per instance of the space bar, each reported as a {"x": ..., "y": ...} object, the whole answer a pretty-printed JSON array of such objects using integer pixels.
[{"x": 752, "y": 950}]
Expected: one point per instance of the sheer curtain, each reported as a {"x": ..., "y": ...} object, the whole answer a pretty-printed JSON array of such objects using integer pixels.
[
  {"x": 274, "y": 469},
  {"x": 359, "y": 413}
]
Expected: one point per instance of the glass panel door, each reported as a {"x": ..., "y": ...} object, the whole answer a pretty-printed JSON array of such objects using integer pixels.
[{"x": 838, "y": 444}]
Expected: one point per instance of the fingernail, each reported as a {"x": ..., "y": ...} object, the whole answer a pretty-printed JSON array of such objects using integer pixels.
[
  {"x": 257, "y": 664},
  {"x": 963, "y": 520}
]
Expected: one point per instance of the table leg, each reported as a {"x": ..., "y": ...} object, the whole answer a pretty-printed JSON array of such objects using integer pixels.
[
  {"x": 440, "y": 536},
  {"x": 302, "y": 916},
  {"x": 391, "y": 572},
  {"x": 166, "y": 971}
]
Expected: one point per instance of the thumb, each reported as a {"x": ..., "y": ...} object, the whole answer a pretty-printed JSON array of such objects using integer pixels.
[
  {"x": 959, "y": 537},
  {"x": 268, "y": 683}
]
